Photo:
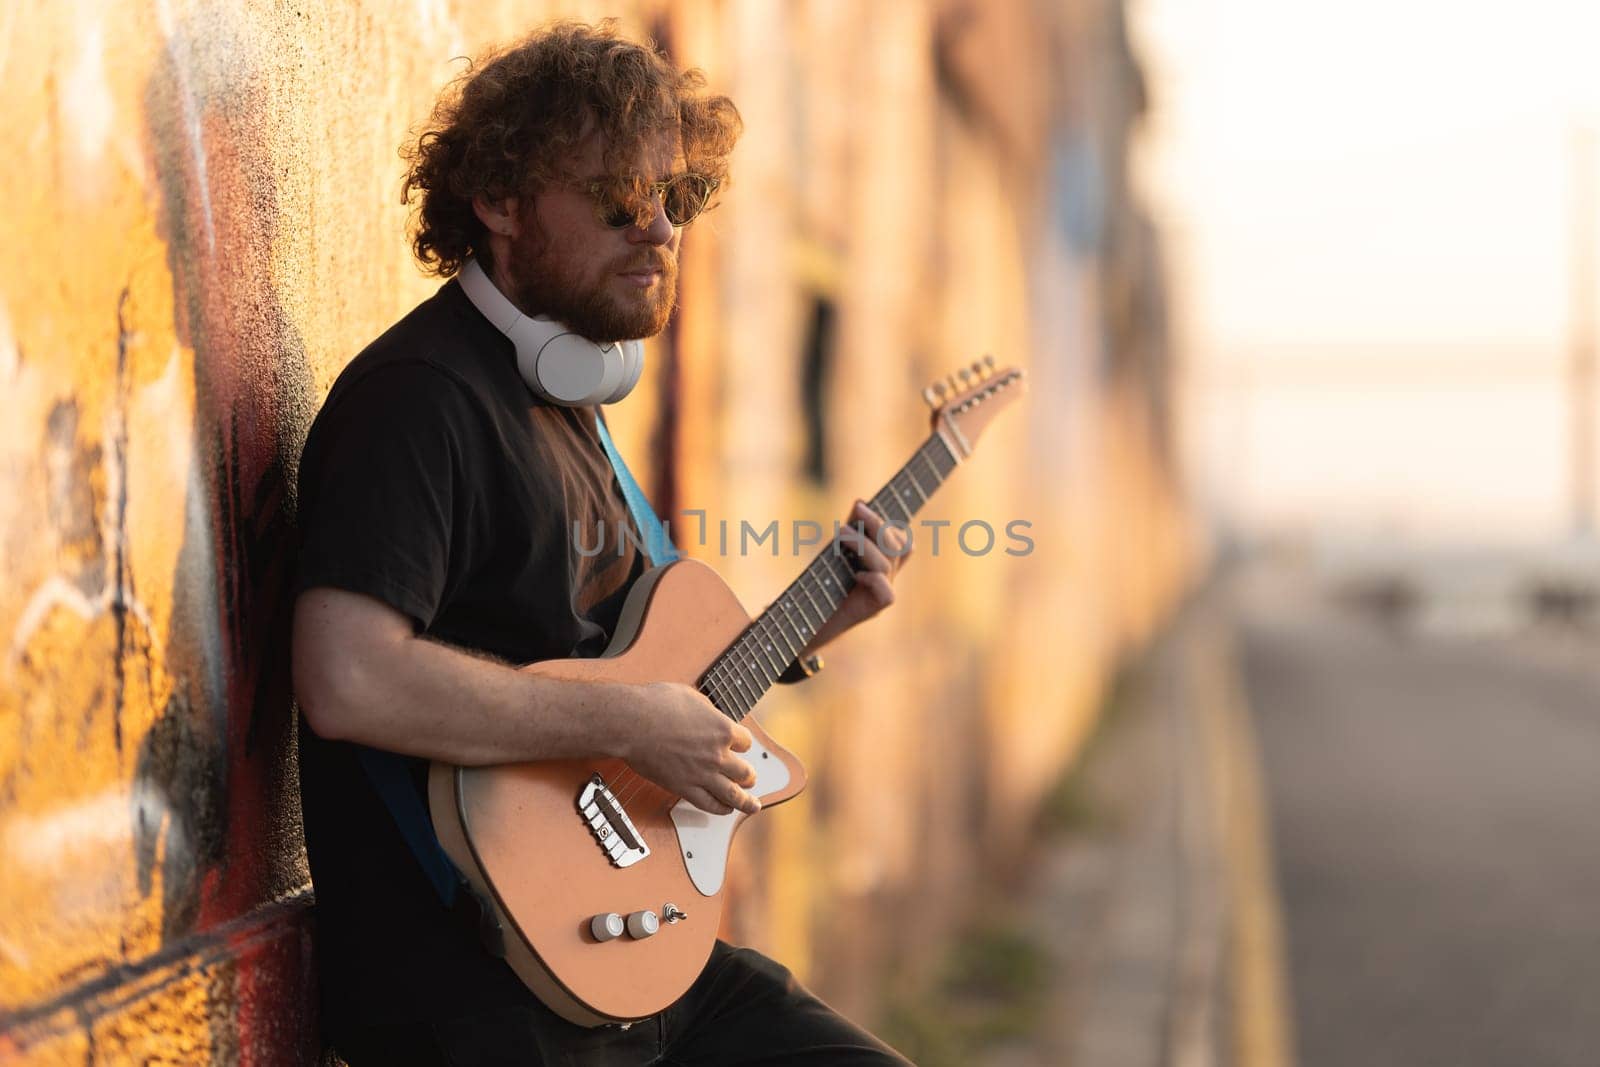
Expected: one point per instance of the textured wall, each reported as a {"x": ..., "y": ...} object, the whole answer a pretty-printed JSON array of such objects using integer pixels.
[
  {"x": 206, "y": 226},
  {"x": 203, "y": 205}
]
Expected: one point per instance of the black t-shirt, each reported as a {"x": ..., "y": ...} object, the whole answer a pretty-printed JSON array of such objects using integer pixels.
[{"x": 429, "y": 482}]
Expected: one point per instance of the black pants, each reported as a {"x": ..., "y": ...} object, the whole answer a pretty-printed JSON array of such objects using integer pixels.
[{"x": 743, "y": 1009}]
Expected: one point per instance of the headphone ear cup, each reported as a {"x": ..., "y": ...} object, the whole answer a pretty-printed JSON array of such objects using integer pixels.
[
  {"x": 566, "y": 369},
  {"x": 610, "y": 358},
  {"x": 632, "y": 366}
]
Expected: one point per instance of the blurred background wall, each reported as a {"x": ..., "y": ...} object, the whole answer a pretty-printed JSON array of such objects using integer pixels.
[{"x": 204, "y": 204}]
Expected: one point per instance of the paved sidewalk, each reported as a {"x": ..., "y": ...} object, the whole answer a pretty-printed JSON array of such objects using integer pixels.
[{"x": 1157, "y": 912}]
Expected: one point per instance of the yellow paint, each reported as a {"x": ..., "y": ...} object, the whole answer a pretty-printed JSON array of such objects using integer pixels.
[{"x": 1261, "y": 1026}]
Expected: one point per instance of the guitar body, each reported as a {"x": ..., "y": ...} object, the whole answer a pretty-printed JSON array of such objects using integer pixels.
[{"x": 521, "y": 835}]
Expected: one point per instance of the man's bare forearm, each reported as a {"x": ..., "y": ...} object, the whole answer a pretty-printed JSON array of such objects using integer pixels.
[{"x": 361, "y": 675}]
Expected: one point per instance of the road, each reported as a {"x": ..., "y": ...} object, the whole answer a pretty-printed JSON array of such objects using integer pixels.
[{"x": 1434, "y": 805}]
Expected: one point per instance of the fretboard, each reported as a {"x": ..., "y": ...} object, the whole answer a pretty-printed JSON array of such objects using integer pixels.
[{"x": 749, "y": 667}]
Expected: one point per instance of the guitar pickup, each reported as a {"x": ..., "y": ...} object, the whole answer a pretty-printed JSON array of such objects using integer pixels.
[{"x": 618, "y": 838}]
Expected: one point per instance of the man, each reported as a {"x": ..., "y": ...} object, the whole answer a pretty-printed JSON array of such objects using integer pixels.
[{"x": 438, "y": 499}]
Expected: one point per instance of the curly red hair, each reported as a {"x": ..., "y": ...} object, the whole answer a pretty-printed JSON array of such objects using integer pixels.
[{"x": 507, "y": 126}]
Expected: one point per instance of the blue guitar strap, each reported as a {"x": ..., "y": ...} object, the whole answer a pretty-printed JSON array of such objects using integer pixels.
[
  {"x": 390, "y": 774},
  {"x": 658, "y": 546}
]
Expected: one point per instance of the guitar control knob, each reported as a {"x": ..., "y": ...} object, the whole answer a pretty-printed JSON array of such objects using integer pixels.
[
  {"x": 641, "y": 924},
  {"x": 606, "y": 926}
]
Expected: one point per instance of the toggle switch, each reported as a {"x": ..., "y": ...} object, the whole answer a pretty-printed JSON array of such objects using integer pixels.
[
  {"x": 606, "y": 926},
  {"x": 641, "y": 924}
]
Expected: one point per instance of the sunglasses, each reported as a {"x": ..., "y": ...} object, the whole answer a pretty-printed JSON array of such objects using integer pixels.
[{"x": 683, "y": 197}]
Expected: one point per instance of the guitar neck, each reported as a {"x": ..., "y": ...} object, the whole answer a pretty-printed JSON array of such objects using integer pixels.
[{"x": 739, "y": 677}]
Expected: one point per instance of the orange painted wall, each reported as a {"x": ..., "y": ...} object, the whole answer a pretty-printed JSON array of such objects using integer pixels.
[{"x": 203, "y": 208}]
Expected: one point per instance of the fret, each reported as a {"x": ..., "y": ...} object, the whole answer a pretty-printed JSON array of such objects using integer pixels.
[
  {"x": 718, "y": 701},
  {"x": 804, "y": 638},
  {"x": 716, "y": 688},
  {"x": 742, "y": 688},
  {"x": 746, "y": 701},
  {"x": 909, "y": 485},
  {"x": 746, "y": 683},
  {"x": 725, "y": 702},
  {"x": 927, "y": 461},
  {"x": 750, "y": 664},
  {"x": 780, "y": 615},
  {"x": 922, "y": 496},
  {"x": 755, "y": 646},
  {"x": 777, "y": 639},
  {"x": 739, "y": 710},
  {"x": 822, "y": 616},
  {"x": 804, "y": 628},
  {"x": 844, "y": 590},
  {"x": 840, "y": 571},
  {"x": 763, "y": 644},
  {"x": 727, "y": 698},
  {"x": 905, "y": 512},
  {"x": 833, "y": 595},
  {"x": 889, "y": 506},
  {"x": 750, "y": 667}
]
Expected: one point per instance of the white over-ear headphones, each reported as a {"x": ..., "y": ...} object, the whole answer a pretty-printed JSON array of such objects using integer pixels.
[{"x": 559, "y": 366}]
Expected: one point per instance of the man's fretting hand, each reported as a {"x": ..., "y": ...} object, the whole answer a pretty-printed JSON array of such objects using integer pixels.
[
  {"x": 683, "y": 744},
  {"x": 880, "y": 551}
]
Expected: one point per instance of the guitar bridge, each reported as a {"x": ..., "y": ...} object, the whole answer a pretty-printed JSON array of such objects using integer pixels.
[{"x": 618, "y": 838}]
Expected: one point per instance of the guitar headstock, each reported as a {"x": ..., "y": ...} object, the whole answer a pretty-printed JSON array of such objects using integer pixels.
[{"x": 964, "y": 402}]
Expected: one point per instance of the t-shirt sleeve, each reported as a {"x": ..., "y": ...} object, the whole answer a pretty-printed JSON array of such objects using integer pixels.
[{"x": 383, "y": 488}]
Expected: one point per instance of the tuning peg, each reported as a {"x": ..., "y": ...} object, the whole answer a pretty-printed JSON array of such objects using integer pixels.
[
  {"x": 988, "y": 361},
  {"x": 955, "y": 386},
  {"x": 977, "y": 370},
  {"x": 930, "y": 397},
  {"x": 966, "y": 377}
]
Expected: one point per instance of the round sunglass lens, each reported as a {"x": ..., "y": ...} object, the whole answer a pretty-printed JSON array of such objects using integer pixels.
[{"x": 684, "y": 198}]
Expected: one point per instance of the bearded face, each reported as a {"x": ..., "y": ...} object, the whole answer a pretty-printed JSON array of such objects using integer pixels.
[
  {"x": 609, "y": 274},
  {"x": 604, "y": 283}
]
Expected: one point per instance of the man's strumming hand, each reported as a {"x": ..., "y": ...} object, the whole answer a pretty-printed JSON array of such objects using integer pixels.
[{"x": 683, "y": 744}]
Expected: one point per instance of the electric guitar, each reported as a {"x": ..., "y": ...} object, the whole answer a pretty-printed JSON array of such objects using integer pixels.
[{"x": 607, "y": 890}]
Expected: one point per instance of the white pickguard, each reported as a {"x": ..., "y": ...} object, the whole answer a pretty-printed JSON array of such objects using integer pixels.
[{"x": 705, "y": 839}]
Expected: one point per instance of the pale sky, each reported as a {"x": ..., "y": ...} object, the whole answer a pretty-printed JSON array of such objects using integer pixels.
[{"x": 1370, "y": 212}]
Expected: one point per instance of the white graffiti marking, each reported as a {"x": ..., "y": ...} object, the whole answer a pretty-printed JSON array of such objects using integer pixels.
[
  {"x": 191, "y": 119},
  {"x": 56, "y": 592},
  {"x": 86, "y": 96},
  {"x": 89, "y": 828}
]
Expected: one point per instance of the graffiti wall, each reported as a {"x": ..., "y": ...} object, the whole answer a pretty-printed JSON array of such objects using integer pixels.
[{"x": 206, "y": 225}]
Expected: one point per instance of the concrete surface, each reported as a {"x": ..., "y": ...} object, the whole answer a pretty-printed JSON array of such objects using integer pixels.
[{"x": 1433, "y": 800}]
